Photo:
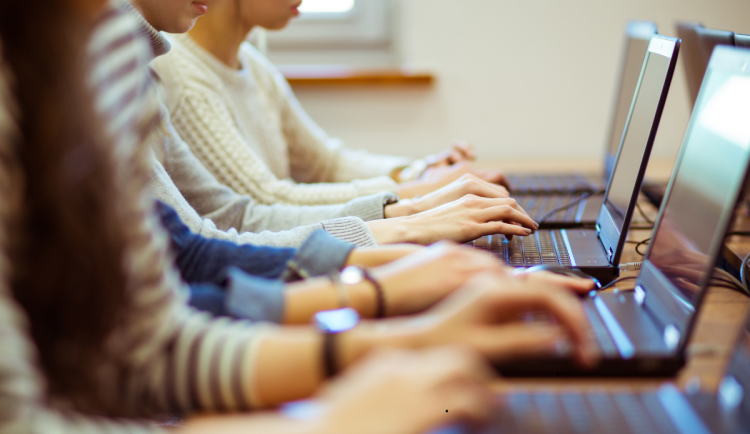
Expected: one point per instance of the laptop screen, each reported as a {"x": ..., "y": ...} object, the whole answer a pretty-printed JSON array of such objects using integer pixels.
[
  {"x": 639, "y": 35},
  {"x": 637, "y": 141},
  {"x": 704, "y": 189}
]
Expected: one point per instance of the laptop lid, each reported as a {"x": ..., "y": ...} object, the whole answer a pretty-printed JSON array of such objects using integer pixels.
[
  {"x": 700, "y": 199},
  {"x": 637, "y": 37},
  {"x": 637, "y": 141}
]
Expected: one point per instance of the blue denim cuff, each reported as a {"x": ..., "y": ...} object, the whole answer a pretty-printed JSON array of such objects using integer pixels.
[
  {"x": 319, "y": 255},
  {"x": 254, "y": 298}
]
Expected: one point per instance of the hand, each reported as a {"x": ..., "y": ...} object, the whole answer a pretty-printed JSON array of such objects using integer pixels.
[
  {"x": 459, "y": 151},
  {"x": 485, "y": 315},
  {"x": 432, "y": 179},
  {"x": 418, "y": 281},
  {"x": 407, "y": 392},
  {"x": 464, "y": 220},
  {"x": 465, "y": 185},
  {"x": 543, "y": 279}
]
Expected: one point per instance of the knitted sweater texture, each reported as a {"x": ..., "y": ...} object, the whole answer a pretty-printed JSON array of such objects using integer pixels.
[{"x": 249, "y": 130}]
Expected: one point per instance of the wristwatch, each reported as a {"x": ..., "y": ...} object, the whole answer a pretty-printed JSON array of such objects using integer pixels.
[
  {"x": 354, "y": 275},
  {"x": 331, "y": 323}
]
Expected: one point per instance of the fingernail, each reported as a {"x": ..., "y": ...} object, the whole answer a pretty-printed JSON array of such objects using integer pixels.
[{"x": 528, "y": 231}]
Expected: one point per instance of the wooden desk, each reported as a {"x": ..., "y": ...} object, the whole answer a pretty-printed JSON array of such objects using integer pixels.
[{"x": 719, "y": 322}]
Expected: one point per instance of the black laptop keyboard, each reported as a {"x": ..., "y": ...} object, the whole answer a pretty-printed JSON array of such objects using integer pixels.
[
  {"x": 550, "y": 184},
  {"x": 538, "y": 206},
  {"x": 543, "y": 247},
  {"x": 598, "y": 412}
]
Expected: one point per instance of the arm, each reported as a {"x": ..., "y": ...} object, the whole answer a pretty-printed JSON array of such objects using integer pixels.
[
  {"x": 315, "y": 156},
  {"x": 231, "y": 210},
  {"x": 162, "y": 188},
  {"x": 204, "y": 121}
]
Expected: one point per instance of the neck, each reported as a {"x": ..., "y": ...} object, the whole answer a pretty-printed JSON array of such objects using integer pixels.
[{"x": 221, "y": 33}]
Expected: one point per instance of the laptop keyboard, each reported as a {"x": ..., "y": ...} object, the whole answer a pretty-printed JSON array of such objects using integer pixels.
[
  {"x": 550, "y": 184},
  {"x": 541, "y": 248},
  {"x": 537, "y": 206},
  {"x": 618, "y": 413}
]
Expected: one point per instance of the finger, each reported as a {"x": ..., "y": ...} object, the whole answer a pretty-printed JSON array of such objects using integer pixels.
[
  {"x": 523, "y": 340},
  {"x": 566, "y": 308},
  {"x": 575, "y": 284},
  {"x": 485, "y": 189},
  {"x": 493, "y": 176},
  {"x": 466, "y": 149},
  {"x": 507, "y": 229},
  {"x": 507, "y": 214}
]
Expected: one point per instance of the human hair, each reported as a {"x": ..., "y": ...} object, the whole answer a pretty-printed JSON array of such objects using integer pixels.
[{"x": 66, "y": 248}]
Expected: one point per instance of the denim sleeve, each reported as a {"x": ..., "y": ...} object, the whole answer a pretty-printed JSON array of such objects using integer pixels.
[
  {"x": 202, "y": 260},
  {"x": 319, "y": 255},
  {"x": 241, "y": 297}
]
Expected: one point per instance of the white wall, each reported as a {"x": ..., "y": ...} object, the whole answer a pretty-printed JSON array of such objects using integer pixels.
[{"x": 520, "y": 79}]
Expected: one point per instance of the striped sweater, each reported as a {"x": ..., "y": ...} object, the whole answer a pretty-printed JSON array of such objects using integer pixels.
[
  {"x": 165, "y": 357},
  {"x": 249, "y": 130}
]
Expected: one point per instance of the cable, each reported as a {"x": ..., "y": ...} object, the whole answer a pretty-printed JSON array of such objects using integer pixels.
[
  {"x": 616, "y": 281},
  {"x": 641, "y": 228},
  {"x": 643, "y": 214},
  {"x": 642, "y": 243},
  {"x": 631, "y": 266},
  {"x": 737, "y": 233},
  {"x": 569, "y": 205}
]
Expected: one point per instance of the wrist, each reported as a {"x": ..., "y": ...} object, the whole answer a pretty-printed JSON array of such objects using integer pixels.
[
  {"x": 368, "y": 335},
  {"x": 391, "y": 231},
  {"x": 401, "y": 208}
]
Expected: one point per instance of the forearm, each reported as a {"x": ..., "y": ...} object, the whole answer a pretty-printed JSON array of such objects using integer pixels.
[
  {"x": 393, "y": 231},
  {"x": 267, "y": 422},
  {"x": 290, "y": 362},
  {"x": 369, "y": 257},
  {"x": 303, "y": 300}
]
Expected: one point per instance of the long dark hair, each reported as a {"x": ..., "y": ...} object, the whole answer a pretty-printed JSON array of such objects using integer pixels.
[{"x": 66, "y": 244}]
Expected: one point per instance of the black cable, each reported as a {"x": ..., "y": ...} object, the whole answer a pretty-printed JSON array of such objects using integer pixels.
[
  {"x": 737, "y": 233},
  {"x": 569, "y": 205},
  {"x": 642, "y": 243},
  {"x": 616, "y": 281},
  {"x": 643, "y": 214}
]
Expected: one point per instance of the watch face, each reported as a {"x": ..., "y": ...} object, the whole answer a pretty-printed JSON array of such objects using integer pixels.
[
  {"x": 352, "y": 276},
  {"x": 337, "y": 321}
]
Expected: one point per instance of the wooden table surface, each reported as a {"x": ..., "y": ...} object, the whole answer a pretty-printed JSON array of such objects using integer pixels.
[{"x": 719, "y": 322}]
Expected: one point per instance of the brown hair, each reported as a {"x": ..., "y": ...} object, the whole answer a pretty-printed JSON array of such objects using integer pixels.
[{"x": 66, "y": 244}]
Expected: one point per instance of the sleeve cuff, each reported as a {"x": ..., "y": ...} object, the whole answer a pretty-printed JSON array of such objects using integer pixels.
[
  {"x": 254, "y": 298},
  {"x": 352, "y": 230},
  {"x": 319, "y": 255},
  {"x": 375, "y": 185},
  {"x": 369, "y": 208}
]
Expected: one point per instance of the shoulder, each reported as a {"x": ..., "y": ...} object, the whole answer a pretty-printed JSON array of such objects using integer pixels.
[
  {"x": 267, "y": 74},
  {"x": 182, "y": 71}
]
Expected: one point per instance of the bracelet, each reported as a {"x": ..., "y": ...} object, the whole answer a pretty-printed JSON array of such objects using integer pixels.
[
  {"x": 341, "y": 292},
  {"x": 379, "y": 293}
]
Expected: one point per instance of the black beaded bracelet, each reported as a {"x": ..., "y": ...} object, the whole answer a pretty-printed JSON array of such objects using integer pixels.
[{"x": 379, "y": 293}]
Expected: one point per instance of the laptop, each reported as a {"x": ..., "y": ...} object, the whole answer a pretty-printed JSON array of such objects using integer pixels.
[
  {"x": 663, "y": 411},
  {"x": 644, "y": 332},
  {"x": 596, "y": 251},
  {"x": 638, "y": 34}
]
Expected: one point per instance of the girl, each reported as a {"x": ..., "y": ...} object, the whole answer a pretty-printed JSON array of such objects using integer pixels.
[{"x": 241, "y": 119}]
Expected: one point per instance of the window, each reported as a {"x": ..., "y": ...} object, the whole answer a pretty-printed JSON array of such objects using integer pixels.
[
  {"x": 313, "y": 8},
  {"x": 332, "y": 27}
]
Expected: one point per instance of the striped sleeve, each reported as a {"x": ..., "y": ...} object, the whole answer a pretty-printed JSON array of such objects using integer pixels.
[{"x": 168, "y": 357}]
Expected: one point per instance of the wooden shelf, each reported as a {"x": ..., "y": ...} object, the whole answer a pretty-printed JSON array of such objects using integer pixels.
[{"x": 326, "y": 75}]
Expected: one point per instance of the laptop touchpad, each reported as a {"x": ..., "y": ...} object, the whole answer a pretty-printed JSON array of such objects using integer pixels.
[{"x": 586, "y": 248}]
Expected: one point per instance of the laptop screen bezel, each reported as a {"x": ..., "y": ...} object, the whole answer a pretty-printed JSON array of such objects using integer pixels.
[
  {"x": 635, "y": 31},
  {"x": 611, "y": 237},
  {"x": 654, "y": 284}
]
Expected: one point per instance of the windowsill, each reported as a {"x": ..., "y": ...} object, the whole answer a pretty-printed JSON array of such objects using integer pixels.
[{"x": 332, "y": 75}]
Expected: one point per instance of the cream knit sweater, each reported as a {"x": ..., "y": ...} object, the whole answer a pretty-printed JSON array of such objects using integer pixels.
[{"x": 249, "y": 130}]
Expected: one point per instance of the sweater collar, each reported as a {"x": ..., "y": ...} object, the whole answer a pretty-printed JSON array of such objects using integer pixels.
[{"x": 159, "y": 44}]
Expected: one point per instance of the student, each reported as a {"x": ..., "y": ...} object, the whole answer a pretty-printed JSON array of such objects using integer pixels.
[
  {"x": 242, "y": 120},
  {"x": 181, "y": 181},
  {"x": 94, "y": 336}
]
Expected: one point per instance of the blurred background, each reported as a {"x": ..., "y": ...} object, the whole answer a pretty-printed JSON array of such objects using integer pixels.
[{"x": 521, "y": 80}]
